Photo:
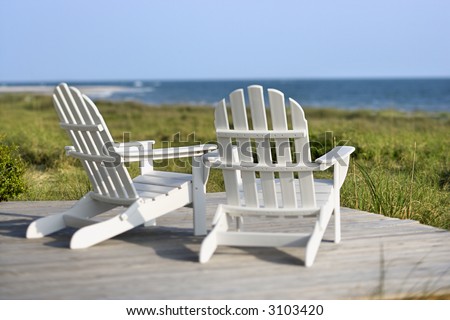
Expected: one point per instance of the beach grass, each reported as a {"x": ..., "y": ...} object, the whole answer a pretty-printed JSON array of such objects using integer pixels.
[{"x": 400, "y": 167}]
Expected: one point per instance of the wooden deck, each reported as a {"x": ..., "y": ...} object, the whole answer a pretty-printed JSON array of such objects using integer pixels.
[{"x": 378, "y": 257}]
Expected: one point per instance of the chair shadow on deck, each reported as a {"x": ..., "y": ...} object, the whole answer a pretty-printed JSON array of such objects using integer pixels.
[
  {"x": 172, "y": 243},
  {"x": 167, "y": 242},
  {"x": 180, "y": 245},
  {"x": 274, "y": 255},
  {"x": 16, "y": 228}
]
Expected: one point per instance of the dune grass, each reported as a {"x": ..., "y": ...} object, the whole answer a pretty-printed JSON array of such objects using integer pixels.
[{"x": 400, "y": 167}]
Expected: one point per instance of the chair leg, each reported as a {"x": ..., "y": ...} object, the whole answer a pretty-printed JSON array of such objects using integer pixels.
[
  {"x": 96, "y": 233},
  {"x": 199, "y": 196},
  {"x": 44, "y": 226},
  {"x": 147, "y": 167},
  {"x": 337, "y": 217},
  {"x": 313, "y": 245},
  {"x": 137, "y": 214},
  {"x": 317, "y": 235},
  {"x": 86, "y": 207},
  {"x": 101, "y": 231},
  {"x": 337, "y": 224},
  {"x": 210, "y": 243}
]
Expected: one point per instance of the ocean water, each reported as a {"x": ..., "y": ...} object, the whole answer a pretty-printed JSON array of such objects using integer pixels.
[{"x": 400, "y": 94}]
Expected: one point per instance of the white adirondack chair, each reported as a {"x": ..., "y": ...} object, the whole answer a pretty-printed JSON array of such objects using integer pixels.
[
  {"x": 148, "y": 196},
  {"x": 267, "y": 196}
]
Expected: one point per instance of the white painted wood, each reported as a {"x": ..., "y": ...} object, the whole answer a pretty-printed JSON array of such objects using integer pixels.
[
  {"x": 77, "y": 222},
  {"x": 226, "y": 154},
  {"x": 136, "y": 154},
  {"x": 262, "y": 239},
  {"x": 270, "y": 197},
  {"x": 198, "y": 193},
  {"x": 139, "y": 147},
  {"x": 236, "y": 211},
  {"x": 150, "y": 195},
  {"x": 303, "y": 154},
  {"x": 210, "y": 243},
  {"x": 261, "y": 134},
  {"x": 258, "y": 110},
  {"x": 116, "y": 176},
  {"x": 294, "y": 167},
  {"x": 163, "y": 178},
  {"x": 239, "y": 114},
  {"x": 92, "y": 144},
  {"x": 81, "y": 127},
  {"x": 86, "y": 207},
  {"x": 63, "y": 111},
  {"x": 282, "y": 147}
]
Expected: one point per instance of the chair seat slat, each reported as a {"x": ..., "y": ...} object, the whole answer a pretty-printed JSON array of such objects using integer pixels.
[
  {"x": 161, "y": 181},
  {"x": 114, "y": 200}
]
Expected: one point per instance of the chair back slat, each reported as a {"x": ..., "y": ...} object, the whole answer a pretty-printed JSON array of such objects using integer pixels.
[
  {"x": 226, "y": 154},
  {"x": 259, "y": 120},
  {"x": 79, "y": 117},
  {"x": 303, "y": 156},
  {"x": 282, "y": 147},
  {"x": 240, "y": 122}
]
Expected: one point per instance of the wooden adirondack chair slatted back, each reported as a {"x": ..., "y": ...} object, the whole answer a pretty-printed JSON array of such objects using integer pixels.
[
  {"x": 91, "y": 138},
  {"x": 252, "y": 139}
]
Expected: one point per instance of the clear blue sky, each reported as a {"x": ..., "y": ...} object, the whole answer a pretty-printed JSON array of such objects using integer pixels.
[{"x": 49, "y": 40}]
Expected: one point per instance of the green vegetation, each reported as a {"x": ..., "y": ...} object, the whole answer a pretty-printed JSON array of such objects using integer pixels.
[
  {"x": 12, "y": 169},
  {"x": 400, "y": 167}
]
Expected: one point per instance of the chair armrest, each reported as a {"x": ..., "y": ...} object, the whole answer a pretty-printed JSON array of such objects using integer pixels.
[
  {"x": 133, "y": 146},
  {"x": 336, "y": 155},
  {"x": 167, "y": 153},
  {"x": 120, "y": 148},
  {"x": 341, "y": 157},
  {"x": 182, "y": 152}
]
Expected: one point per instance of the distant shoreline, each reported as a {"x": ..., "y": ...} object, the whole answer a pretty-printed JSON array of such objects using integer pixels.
[
  {"x": 403, "y": 95},
  {"x": 47, "y": 90}
]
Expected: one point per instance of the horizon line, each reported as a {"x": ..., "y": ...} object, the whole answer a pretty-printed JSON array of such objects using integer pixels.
[{"x": 5, "y": 82}]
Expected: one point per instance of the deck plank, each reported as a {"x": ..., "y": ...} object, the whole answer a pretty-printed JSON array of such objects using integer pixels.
[{"x": 378, "y": 257}]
